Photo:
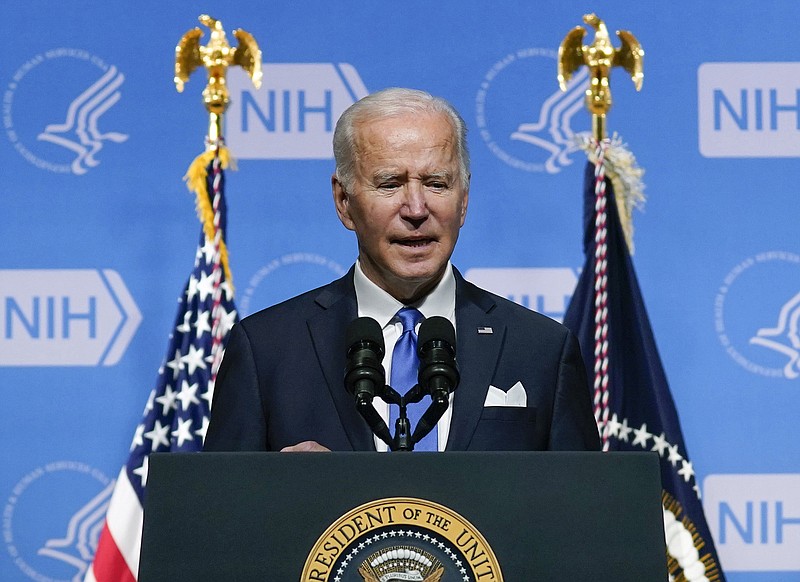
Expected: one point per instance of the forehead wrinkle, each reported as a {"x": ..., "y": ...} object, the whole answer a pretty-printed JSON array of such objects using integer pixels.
[{"x": 387, "y": 154}]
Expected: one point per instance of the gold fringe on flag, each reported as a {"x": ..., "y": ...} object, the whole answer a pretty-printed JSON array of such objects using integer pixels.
[
  {"x": 625, "y": 175},
  {"x": 195, "y": 179}
]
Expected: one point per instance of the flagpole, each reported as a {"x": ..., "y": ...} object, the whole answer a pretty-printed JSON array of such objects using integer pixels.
[
  {"x": 600, "y": 57},
  {"x": 194, "y": 342},
  {"x": 216, "y": 57},
  {"x": 608, "y": 315}
]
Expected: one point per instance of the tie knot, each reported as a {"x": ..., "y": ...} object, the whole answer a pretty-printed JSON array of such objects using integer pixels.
[{"x": 409, "y": 317}]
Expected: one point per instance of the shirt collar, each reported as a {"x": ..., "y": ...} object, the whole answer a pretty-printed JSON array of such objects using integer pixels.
[{"x": 376, "y": 303}]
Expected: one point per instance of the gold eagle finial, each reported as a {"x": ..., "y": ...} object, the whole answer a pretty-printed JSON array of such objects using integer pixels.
[
  {"x": 600, "y": 57},
  {"x": 216, "y": 57}
]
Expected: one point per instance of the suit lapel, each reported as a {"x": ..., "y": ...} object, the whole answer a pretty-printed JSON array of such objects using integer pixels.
[
  {"x": 327, "y": 328},
  {"x": 477, "y": 355}
]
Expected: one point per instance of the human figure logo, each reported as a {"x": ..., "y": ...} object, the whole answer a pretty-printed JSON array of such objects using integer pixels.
[
  {"x": 288, "y": 275},
  {"x": 757, "y": 323},
  {"x": 28, "y": 105},
  {"x": 524, "y": 125},
  {"x": 79, "y": 132},
  {"x": 783, "y": 338},
  {"x": 56, "y": 493},
  {"x": 79, "y": 544}
]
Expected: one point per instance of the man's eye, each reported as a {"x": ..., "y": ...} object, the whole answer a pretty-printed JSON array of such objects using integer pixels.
[
  {"x": 388, "y": 185},
  {"x": 437, "y": 185}
]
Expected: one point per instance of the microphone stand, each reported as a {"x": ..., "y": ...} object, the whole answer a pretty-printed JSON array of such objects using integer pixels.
[
  {"x": 403, "y": 439},
  {"x": 374, "y": 420},
  {"x": 365, "y": 379}
]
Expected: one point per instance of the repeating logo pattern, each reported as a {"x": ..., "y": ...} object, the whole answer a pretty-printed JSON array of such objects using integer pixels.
[
  {"x": 51, "y": 541},
  {"x": 65, "y": 317},
  {"x": 79, "y": 138},
  {"x": 757, "y": 313},
  {"x": 293, "y": 114},
  {"x": 527, "y": 126},
  {"x": 756, "y": 521},
  {"x": 749, "y": 110},
  {"x": 543, "y": 289},
  {"x": 288, "y": 275}
]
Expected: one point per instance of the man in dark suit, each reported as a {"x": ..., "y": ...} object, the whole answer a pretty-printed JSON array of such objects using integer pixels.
[{"x": 402, "y": 185}]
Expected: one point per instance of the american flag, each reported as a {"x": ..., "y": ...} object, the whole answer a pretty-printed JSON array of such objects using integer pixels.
[
  {"x": 177, "y": 411},
  {"x": 634, "y": 408}
]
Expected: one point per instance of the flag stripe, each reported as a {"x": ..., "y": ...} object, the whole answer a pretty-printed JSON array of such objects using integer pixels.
[
  {"x": 109, "y": 564},
  {"x": 124, "y": 521}
]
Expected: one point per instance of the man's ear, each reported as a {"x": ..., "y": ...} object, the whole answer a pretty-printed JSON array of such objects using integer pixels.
[{"x": 342, "y": 201}]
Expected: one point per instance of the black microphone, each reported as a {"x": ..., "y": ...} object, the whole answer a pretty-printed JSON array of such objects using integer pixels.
[
  {"x": 364, "y": 376},
  {"x": 438, "y": 372}
]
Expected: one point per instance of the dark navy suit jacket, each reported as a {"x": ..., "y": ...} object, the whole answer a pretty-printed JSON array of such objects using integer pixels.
[{"x": 281, "y": 380}]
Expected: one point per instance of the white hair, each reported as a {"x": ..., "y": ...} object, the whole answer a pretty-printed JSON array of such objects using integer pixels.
[{"x": 391, "y": 103}]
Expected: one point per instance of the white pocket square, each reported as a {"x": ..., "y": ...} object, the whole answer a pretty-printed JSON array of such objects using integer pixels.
[{"x": 515, "y": 396}]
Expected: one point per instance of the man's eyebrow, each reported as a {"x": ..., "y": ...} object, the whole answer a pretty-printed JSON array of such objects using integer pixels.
[
  {"x": 386, "y": 175},
  {"x": 442, "y": 175}
]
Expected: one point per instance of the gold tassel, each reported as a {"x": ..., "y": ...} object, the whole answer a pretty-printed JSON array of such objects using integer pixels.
[
  {"x": 196, "y": 182},
  {"x": 626, "y": 177}
]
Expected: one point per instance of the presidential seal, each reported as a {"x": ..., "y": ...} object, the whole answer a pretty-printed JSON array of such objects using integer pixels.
[{"x": 401, "y": 539}]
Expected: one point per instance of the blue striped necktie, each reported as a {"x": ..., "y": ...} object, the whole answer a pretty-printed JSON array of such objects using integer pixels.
[{"x": 405, "y": 366}]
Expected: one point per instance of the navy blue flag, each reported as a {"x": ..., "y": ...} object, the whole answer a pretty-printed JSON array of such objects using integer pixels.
[
  {"x": 633, "y": 404},
  {"x": 177, "y": 412}
]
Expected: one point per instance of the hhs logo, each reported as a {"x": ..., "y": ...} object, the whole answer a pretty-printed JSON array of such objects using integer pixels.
[
  {"x": 757, "y": 314},
  {"x": 65, "y": 317},
  {"x": 52, "y": 520},
  {"x": 523, "y": 117},
  {"x": 749, "y": 110},
  {"x": 35, "y": 115},
  {"x": 544, "y": 290},
  {"x": 293, "y": 114},
  {"x": 755, "y": 520},
  {"x": 288, "y": 275}
]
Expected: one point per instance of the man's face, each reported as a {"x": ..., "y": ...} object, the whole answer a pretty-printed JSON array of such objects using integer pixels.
[{"x": 407, "y": 202}]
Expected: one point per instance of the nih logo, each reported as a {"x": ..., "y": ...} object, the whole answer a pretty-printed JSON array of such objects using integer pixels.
[
  {"x": 755, "y": 521},
  {"x": 749, "y": 110},
  {"x": 59, "y": 317},
  {"x": 546, "y": 290},
  {"x": 293, "y": 114}
]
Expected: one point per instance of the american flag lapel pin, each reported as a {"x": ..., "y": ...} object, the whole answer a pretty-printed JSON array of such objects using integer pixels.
[{"x": 485, "y": 329}]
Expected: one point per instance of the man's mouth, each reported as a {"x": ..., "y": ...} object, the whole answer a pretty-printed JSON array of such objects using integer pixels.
[{"x": 414, "y": 242}]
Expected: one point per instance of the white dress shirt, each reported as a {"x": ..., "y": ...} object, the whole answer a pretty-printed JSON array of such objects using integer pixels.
[{"x": 376, "y": 303}]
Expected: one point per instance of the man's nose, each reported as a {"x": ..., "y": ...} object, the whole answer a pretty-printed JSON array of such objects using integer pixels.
[{"x": 415, "y": 205}]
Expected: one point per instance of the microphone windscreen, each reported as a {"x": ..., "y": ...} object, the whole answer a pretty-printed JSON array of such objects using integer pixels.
[
  {"x": 437, "y": 328},
  {"x": 364, "y": 329}
]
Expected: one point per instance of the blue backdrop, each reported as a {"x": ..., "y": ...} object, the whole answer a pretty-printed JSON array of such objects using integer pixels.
[{"x": 98, "y": 230}]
